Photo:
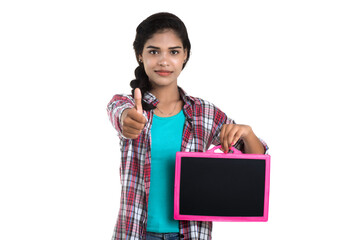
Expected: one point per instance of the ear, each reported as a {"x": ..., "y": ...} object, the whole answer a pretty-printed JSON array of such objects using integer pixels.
[
  {"x": 139, "y": 59},
  {"x": 185, "y": 55}
]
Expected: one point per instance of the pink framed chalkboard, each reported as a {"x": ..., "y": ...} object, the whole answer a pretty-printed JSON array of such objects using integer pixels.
[{"x": 211, "y": 186}]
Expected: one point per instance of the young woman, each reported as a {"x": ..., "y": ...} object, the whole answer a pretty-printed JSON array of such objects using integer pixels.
[{"x": 155, "y": 122}]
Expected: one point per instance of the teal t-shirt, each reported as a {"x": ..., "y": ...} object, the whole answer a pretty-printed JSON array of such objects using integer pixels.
[{"x": 166, "y": 138}]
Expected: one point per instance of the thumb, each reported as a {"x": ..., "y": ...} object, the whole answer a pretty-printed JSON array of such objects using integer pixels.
[{"x": 137, "y": 96}]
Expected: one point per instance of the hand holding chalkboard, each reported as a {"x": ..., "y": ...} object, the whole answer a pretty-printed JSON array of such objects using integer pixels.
[
  {"x": 132, "y": 120},
  {"x": 232, "y": 133}
]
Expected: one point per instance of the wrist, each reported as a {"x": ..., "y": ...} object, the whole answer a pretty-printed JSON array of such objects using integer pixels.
[
  {"x": 247, "y": 134},
  {"x": 251, "y": 143}
]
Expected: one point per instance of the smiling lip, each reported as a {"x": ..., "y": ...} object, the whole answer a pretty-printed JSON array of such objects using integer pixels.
[{"x": 163, "y": 72}]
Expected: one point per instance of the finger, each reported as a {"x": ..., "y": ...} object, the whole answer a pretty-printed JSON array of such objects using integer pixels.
[
  {"x": 133, "y": 123},
  {"x": 136, "y": 116},
  {"x": 231, "y": 130},
  {"x": 131, "y": 136},
  {"x": 235, "y": 138},
  {"x": 225, "y": 142},
  {"x": 221, "y": 137},
  {"x": 229, "y": 138},
  {"x": 233, "y": 135},
  {"x": 130, "y": 130},
  {"x": 137, "y": 97},
  {"x": 225, "y": 145}
]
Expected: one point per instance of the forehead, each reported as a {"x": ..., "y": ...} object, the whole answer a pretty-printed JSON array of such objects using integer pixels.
[{"x": 165, "y": 38}]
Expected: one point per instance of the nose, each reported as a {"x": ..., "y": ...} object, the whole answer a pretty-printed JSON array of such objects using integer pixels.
[{"x": 163, "y": 60}]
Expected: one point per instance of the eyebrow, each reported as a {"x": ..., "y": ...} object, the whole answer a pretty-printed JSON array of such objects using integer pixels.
[{"x": 159, "y": 48}]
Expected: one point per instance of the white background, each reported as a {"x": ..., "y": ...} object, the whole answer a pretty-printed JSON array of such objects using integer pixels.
[{"x": 287, "y": 68}]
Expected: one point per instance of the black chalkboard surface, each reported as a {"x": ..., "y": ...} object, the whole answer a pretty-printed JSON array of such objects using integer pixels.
[{"x": 221, "y": 187}]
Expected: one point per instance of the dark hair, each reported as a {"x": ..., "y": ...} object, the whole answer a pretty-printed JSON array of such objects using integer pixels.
[{"x": 144, "y": 32}]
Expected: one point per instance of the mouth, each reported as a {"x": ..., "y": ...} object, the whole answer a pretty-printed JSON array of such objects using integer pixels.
[{"x": 163, "y": 72}]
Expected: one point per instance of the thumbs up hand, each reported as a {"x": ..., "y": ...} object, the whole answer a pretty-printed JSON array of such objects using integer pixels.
[{"x": 132, "y": 120}]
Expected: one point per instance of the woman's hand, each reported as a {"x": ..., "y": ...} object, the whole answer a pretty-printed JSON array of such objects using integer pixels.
[
  {"x": 231, "y": 133},
  {"x": 132, "y": 120}
]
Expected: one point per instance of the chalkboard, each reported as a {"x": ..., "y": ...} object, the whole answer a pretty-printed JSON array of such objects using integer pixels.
[{"x": 221, "y": 187}]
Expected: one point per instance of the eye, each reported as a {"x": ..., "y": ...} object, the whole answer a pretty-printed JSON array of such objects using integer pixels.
[
  {"x": 153, "y": 52},
  {"x": 174, "y": 52}
]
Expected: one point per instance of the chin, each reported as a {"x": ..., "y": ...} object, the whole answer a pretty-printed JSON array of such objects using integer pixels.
[{"x": 162, "y": 82}]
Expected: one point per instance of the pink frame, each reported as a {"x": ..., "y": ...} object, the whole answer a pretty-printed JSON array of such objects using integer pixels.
[{"x": 211, "y": 154}]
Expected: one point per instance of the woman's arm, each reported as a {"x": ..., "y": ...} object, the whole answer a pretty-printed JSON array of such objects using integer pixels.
[{"x": 229, "y": 134}]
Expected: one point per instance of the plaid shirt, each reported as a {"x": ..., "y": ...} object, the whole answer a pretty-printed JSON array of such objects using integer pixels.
[{"x": 202, "y": 129}]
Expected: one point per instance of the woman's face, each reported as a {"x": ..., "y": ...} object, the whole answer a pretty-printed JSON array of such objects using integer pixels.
[{"x": 163, "y": 57}]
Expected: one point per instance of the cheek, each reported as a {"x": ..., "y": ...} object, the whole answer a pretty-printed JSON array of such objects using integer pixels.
[
  {"x": 148, "y": 65},
  {"x": 147, "y": 62},
  {"x": 178, "y": 63}
]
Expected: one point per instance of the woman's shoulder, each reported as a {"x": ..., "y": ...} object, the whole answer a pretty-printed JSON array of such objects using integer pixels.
[
  {"x": 119, "y": 99},
  {"x": 200, "y": 102},
  {"x": 204, "y": 106},
  {"x": 122, "y": 97}
]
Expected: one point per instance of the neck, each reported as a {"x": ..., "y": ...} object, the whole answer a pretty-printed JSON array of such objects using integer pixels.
[{"x": 167, "y": 94}]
